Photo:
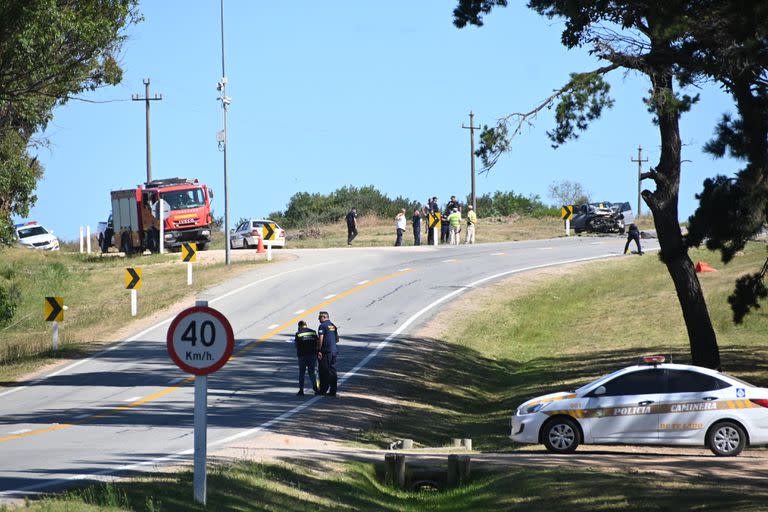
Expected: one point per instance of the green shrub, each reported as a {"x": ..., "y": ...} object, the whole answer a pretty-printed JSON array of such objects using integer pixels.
[{"x": 9, "y": 302}]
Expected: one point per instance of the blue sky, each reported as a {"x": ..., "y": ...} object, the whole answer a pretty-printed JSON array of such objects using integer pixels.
[{"x": 350, "y": 92}]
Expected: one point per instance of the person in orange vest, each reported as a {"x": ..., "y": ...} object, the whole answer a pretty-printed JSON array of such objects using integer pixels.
[{"x": 633, "y": 234}]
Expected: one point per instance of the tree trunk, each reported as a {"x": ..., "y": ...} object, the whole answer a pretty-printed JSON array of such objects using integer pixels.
[{"x": 674, "y": 253}]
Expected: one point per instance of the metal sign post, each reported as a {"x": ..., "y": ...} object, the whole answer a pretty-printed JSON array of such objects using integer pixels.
[{"x": 200, "y": 341}]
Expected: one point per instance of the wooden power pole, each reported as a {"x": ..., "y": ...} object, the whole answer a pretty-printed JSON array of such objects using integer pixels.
[
  {"x": 472, "y": 129},
  {"x": 146, "y": 99},
  {"x": 639, "y": 161}
]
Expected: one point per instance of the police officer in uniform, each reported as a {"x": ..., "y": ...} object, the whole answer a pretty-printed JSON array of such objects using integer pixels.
[
  {"x": 633, "y": 234},
  {"x": 327, "y": 352},
  {"x": 306, "y": 342}
]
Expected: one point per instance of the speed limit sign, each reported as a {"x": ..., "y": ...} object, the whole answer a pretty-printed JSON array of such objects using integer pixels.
[{"x": 200, "y": 340}]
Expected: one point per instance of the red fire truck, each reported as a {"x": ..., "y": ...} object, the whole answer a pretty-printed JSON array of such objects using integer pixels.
[{"x": 135, "y": 224}]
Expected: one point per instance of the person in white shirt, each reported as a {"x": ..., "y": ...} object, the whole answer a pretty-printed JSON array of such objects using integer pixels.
[{"x": 400, "y": 224}]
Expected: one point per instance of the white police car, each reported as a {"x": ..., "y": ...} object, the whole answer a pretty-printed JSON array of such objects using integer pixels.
[
  {"x": 651, "y": 403},
  {"x": 33, "y": 235}
]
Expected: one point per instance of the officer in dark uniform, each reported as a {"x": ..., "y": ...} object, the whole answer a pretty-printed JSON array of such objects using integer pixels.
[
  {"x": 351, "y": 225},
  {"x": 306, "y": 342},
  {"x": 633, "y": 234},
  {"x": 445, "y": 229},
  {"x": 327, "y": 352}
]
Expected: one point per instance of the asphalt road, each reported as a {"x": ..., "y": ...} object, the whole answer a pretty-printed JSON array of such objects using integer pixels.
[{"x": 129, "y": 407}]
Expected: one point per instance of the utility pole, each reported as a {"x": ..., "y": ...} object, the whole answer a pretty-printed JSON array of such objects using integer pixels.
[
  {"x": 146, "y": 99},
  {"x": 225, "y": 101},
  {"x": 639, "y": 161},
  {"x": 471, "y": 129}
]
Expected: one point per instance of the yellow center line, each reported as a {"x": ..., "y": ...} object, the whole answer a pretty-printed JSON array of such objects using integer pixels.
[{"x": 243, "y": 350}]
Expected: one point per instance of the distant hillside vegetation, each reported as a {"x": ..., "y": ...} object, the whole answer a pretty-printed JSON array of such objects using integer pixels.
[{"x": 305, "y": 209}]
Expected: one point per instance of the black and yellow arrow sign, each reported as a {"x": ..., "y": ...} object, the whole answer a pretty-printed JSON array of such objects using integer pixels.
[
  {"x": 132, "y": 278},
  {"x": 268, "y": 230},
  {"x": 434, "y": 220},
  {"x": 566, "y": 212},
  {"x": 54, "y": 309},
  {"x": 188, "y": 252}
]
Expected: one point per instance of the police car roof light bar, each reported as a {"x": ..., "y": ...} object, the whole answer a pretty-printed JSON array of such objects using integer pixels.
[{"x": 654, "y": 360}]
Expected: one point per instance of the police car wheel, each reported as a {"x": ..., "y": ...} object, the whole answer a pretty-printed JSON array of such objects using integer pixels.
[
  {"x": 726, "y": 439},
  {"x": 561, "y": 435}
]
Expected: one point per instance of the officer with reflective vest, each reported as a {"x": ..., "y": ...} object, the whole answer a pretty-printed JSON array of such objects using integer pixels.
[
  {"x": 306, "y": 342},
  {"x": 326, "y": 355}
]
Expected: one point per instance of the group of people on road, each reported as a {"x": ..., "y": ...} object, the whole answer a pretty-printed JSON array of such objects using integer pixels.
[
  {"x": 317, "y": 349},
  {"x": 450, "y": 219},
  {"x": 450, "y": 222}
]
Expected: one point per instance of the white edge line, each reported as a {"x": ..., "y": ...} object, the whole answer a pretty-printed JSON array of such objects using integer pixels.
[
  {"x": 299, "y": 408},
  {"x": 363, "y": 282},
  {"x": 21, "y": 431},
  {"x": 273, "y": 326},
  {"x": 152, "y": 328},
  {"x": 326, "y": 297},
  {"x": 300, "y": 311},
  {"x": 133, "y": 398}
]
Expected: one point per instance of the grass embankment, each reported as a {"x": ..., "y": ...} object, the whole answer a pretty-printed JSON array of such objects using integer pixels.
[
  {"x": 556, "y": 331},
  {"x": 289, "y": 488},
  {"x": 93, "y": 287}
]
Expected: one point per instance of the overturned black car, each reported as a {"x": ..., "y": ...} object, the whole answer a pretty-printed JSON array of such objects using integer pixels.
[{"x": 602, "y": 217}]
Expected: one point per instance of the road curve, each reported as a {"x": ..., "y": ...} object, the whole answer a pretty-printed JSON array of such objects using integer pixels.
[{"x": 129, "y": 407}]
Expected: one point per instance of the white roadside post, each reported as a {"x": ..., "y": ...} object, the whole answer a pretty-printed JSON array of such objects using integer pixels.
[
  {"x": 55, "y": 335},
  {"x": 567, "y": 227},
  {"x": 269, "y": 250},
  {"x": 88, "y": 237},
  {"x": 133, "y": 283},
  {"x": 81, "y": 239},
  {"x": 189, "y": 255},
  {"x": 53, "y": 311},
  {"x": 434, "y": 237},
  {"x": 200, "y": 341},
  {"x": 161, "y": 216}
]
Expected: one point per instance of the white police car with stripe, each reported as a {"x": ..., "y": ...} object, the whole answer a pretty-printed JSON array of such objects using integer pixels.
[{"x": 651, "y": 403}]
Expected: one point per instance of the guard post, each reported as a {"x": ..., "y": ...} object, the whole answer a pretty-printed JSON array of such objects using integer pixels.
[
  {"x": 268, "y": 232},
  {"x": 189, "y": 256},
  {"x": 133, "y": 283},
  {"x": 566, "y": 213},
  {"x": 53, "y": 310}
]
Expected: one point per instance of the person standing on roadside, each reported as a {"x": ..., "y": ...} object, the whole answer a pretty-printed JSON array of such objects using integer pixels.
[
  {"x": 453, "y": 204},
  {"x": 400, "y": 226},
  {"x": 416, "y": 221},
  {"x": 454, "y": 219},
  {"x": 326, "y": 354},
  {"x": 471, "y": 221},
  {"x": 351, "y": 225},
  {"x": 445, "y": 229},
  {"x": 633, "y": 234},
  {"x": 306, "y": 342}
]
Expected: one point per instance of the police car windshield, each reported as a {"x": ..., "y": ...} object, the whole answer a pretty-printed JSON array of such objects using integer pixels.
[
  {"x": 596, "y": 383},
  {"x": 33, "y": 231}
]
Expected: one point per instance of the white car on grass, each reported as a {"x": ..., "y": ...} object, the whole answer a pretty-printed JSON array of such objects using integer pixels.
[
  {"x": 33, "y": 235},
  {"x": 651, "y": 403},
  {"x": 247, "y": 234}
]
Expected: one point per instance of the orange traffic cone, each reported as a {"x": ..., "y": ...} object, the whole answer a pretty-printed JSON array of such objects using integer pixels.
[
  {"x": 260, "y": 247},
  {"x": 704, "y": 267}
]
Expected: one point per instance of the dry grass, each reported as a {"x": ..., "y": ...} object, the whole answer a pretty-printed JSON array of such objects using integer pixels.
[{"x": 93, "y": 288}]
